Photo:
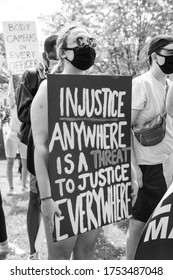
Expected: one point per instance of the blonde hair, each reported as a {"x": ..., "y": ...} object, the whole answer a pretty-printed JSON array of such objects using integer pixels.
[{"x": 61, "y": 44}]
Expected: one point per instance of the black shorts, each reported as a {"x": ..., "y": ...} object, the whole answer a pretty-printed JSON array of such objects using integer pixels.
[{"x": 154, "y": 187}]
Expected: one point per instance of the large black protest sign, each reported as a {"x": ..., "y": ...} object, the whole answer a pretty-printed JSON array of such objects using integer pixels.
[
  {"x": 89, "y": 146},
  {"x": 156, "y": 241}
]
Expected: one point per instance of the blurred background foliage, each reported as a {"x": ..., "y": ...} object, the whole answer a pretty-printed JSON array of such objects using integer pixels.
[{"x": 122, "y": 29}]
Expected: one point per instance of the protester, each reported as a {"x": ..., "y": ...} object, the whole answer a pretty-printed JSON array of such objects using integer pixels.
[
  {"x": 12, "y": 142},
  {"x": 148, "y": 102},
  {"x": 6, "y": 247},
  {"x": 27, "y": 89},
  {"x": 76, "y": 52}
]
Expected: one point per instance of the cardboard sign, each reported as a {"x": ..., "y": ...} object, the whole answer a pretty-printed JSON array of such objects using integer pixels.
[
  {"x": 21, "y": 45},
  {"x": 89, "y": 146},
  {"x": 156, "y": 241}
]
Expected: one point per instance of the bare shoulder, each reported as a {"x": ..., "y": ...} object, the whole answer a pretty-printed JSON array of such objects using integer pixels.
[
  {"x": 39, "y": 115},
  {"x": 42, "y": 91},
  {"x": 40, "y": 99}
]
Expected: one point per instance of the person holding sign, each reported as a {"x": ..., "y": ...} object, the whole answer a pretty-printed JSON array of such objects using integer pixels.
[
  {"x": 150, "y": 147},
  {"x": 76, "y": 52}
]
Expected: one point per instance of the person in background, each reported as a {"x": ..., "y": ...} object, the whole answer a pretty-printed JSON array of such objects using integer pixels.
[
  {"x": 6, "y": 247},
  {"x": 12, "y": 142},
  {"x": 148, "y": 101},
  {"x": 28, "y": 86}
]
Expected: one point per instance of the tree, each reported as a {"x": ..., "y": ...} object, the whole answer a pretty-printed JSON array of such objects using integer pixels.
[
  {"x": 137, "y": 21},
  {"x": 3, "y": 64},
  {"x": 122, "y": 28}
]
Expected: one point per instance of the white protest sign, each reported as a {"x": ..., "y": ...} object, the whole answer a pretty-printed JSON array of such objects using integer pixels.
[{"x": 21, "y": 45}]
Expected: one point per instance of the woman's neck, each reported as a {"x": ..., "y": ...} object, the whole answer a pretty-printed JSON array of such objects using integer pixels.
[{"x": 71, "y": 70}]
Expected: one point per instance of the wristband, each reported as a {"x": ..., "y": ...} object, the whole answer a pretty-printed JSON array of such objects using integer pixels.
[{"x": 45, "y": 198}]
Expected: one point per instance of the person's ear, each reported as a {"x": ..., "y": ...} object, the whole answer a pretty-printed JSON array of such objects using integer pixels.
[
  {"x": 62, "y": 53},
  {"x": 158, "y": 59},
  {"x": 45, "y": 56},
  {"x": 154, "y": 57}
]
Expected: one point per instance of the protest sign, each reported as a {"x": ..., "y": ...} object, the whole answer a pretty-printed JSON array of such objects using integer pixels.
[
  {"x": 156, "y": 241},
  {"x": 89, "y": 151},
  {"x": 22, "y": 50}
]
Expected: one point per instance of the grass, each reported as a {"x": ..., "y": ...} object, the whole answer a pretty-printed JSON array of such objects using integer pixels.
[{"x": 110, "y": 244}]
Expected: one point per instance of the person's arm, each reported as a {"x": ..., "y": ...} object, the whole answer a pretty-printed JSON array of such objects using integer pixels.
[
  {"x": 134, "y": 185},
  {"x": 137, "y": 171},
  {"x": 169, "y": 101},
  {"x": 39, "y": 125}
]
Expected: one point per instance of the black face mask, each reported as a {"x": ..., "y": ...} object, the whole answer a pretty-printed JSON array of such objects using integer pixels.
[
  {"x": 167, "y": 67},
  {"x": 83, "y": 57}
]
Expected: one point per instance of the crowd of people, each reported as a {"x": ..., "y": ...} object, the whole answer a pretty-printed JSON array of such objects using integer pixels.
[{"x": 73, "y": 51}]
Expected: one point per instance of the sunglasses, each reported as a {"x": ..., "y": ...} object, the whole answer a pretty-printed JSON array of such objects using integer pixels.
[
  {"x": 169, "y": 51},
  {"x": 81, "y": 42}
]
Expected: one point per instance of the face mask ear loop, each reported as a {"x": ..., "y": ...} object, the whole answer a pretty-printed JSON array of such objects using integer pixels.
[
  {"x": 157, "y": 59},
  {"x": 67, "y": 59},
  {"x": 161, "y": 54},
  {"x": 69, "y": 49}
]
